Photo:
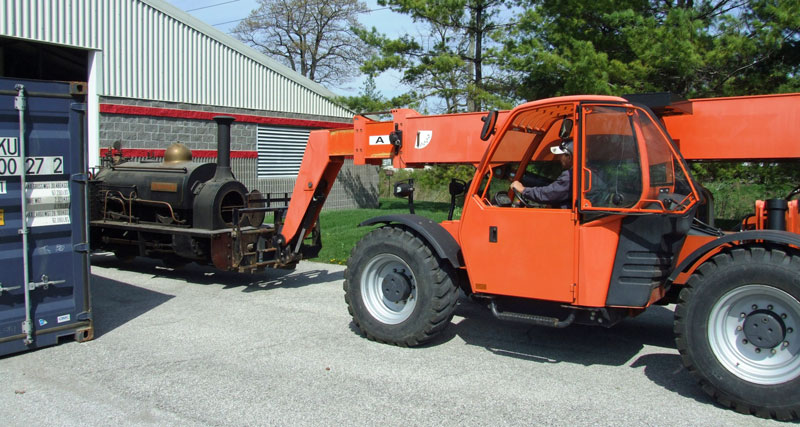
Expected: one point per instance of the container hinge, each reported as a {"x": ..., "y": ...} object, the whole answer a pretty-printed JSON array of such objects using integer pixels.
[
  {"x": 81, "y": 247},
  {"x": 20, "y": 103},
  {"x": 8, "y": 288},
  {"x": 45, "y": 283},
  {"x": 80, "y": 177},
  {"x": 84, "y": 315}
]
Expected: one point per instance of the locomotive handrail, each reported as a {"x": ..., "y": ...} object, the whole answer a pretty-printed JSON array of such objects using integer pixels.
[{"x": 146, "y": 169}]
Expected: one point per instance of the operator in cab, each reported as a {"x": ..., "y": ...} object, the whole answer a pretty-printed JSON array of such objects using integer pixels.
[{"x": 559, "y": 192}]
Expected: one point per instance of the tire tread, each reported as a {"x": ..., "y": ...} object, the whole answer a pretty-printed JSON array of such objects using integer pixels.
[
  {"x": 758, "y": 254},
  {"x": 444, "y": 289}
]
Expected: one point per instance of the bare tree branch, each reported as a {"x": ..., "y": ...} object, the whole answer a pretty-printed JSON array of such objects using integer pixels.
[{"x": 313, "y": 37}]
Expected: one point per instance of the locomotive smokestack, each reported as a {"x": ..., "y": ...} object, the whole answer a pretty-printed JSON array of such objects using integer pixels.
[{"x": 223, "y": 147}]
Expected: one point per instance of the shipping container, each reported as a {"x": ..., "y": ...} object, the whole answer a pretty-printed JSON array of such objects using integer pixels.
[{"x": 44, "y": 254}]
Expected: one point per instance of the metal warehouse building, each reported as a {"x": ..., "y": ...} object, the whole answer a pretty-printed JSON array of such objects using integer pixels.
[{"x": 155, "y": 76}]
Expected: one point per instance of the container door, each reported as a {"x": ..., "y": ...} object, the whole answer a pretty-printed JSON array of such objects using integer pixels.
[{"x": 55, "y": 255}]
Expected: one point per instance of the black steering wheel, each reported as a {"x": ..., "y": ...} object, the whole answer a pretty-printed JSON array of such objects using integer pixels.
[{"x": 523, "y": 199}]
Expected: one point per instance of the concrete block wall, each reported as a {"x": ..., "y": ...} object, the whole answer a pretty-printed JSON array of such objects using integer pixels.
[{"x": 355, "y": 187}]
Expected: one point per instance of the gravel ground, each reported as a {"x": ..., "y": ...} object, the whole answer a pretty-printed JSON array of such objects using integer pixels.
[{"x": 198, "y": 347}]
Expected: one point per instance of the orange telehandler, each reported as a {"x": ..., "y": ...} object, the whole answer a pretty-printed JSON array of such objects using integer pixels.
[{"x": 637, "y": 233}]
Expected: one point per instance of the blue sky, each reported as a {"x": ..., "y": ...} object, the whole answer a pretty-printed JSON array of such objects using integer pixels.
[{"x": 225, "y": 14}]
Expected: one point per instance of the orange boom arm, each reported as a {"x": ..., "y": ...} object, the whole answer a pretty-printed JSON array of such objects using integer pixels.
[
  {"x": 418, "y": 140},
  {"x": 741, "y": 128}
]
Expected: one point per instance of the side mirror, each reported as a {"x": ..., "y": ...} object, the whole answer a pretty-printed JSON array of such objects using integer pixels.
[
  {"x": 404, "y": 189},
  {"x": 566, "y": 128},
  {"x": 489, "y": 121},
  {"x": 457, "y": 187}
]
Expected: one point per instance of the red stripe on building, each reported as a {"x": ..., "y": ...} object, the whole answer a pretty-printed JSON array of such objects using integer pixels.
[
  {"x": 135, "y": 110},
  {"x": 199, "y": 154}
]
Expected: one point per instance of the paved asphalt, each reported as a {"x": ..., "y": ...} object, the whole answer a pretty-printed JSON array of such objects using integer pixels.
[{"x": 196, "y": 347}]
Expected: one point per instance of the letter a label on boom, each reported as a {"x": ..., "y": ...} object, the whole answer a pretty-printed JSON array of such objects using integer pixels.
[{"x": 379, "y": 140}]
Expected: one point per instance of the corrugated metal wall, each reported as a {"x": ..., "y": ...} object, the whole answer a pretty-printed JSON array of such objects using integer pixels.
[
  {"x": 280, "y": 150},
  {"x": 154, "y": 51}
]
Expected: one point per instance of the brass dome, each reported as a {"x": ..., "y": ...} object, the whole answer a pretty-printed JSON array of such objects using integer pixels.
[{"x": 177, "y": 152}]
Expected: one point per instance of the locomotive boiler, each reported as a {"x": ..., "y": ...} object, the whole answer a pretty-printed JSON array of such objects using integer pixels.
[{"x": 180, "y": 212}]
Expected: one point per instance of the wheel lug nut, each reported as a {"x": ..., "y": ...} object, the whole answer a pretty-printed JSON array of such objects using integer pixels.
[
  {"x": 755, "y": 307},
  {"x": 773, "y": 351},
  {"x": 790, "y": 330},
  {"x": 742, "y": 315},
  {"x": 786, "y": 343},
  {"x": 769, "y": 307},
  {"x": 744, "y": 341},
  {"x": 758, "y": 350},
  {"x": 738, "y": 328},
  {"x": 783, "y": 316}
]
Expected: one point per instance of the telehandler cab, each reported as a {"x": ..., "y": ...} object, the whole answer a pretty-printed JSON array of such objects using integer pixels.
[{"x": 632, "y": 237}]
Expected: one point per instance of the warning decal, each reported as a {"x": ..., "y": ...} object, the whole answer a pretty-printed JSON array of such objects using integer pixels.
[
  {"x": 423, "y": 139},
  {"x": 48, "y": 203}
]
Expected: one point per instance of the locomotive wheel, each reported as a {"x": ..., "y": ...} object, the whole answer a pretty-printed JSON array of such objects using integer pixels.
[
  {"x": 397, "y": 290},
  {"x": 737, "y": 328}
]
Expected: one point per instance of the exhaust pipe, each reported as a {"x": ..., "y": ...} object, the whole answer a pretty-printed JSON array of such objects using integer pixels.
[
  {"x": 776, "y": 214},
  {"x": 223, "y": 148}
]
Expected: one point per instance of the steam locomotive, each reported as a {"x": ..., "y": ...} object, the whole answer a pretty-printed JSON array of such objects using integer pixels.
[{"x": 180, "y": 212}]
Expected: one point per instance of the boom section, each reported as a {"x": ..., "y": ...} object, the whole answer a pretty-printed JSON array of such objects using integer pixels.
[{"x": 742, "y": 128}]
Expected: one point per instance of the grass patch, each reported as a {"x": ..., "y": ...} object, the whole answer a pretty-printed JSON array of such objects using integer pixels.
[{"x": 340, "y": 230}]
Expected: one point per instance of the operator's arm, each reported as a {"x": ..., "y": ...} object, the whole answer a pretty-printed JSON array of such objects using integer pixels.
[
  {"x": 557, "y": 192},
  {"x": 530, "y": 179}
]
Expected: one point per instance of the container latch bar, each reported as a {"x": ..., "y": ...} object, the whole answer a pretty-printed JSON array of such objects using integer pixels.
[
  {"x": 8, "y": 288},
  {"x": 44, "y": 283}
]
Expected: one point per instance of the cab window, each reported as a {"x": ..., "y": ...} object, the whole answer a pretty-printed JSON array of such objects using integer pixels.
[
  {"x": 629, "y": 164},
  {"x": 612, "y": 169},
  {"x": 523, "y": 153}
]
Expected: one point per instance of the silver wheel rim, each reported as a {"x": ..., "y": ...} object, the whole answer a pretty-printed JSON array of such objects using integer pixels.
[
  {"x": 759, "y": 365},
  {"x": 381, "y": 308}
]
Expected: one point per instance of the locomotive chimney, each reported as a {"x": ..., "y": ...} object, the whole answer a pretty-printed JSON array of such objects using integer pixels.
[{"x": 223, "y": 147}]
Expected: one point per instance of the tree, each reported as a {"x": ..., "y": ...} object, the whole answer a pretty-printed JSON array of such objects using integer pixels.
[
  {"x": 693, "y": 48},
  {"x": 312, "y": 37},
  {"x": 369, "y": 100},
  {"x": 448, "y": 61}
]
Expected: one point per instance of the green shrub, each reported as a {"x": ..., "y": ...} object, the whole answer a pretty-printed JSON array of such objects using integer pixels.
[
  {"x": 431, "y": 184},
  {"x": 340, "y": 230}
]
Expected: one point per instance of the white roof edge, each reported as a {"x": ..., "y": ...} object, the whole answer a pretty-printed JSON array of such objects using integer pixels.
[{"x": 240, "y": 47}]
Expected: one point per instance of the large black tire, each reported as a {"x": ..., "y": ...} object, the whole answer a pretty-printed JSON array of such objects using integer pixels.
[
  {"x": 737, "y": 328},
  {"x": 421, "y": 294}
]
